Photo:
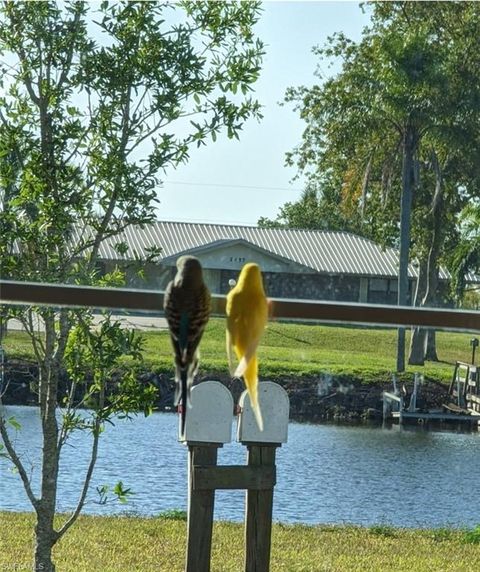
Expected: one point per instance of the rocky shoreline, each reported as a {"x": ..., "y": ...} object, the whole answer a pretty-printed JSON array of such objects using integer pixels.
[{"x": 312, "y": 399}]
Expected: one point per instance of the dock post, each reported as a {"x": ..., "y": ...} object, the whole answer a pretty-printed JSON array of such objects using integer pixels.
[{"x": 259, "y": 509}]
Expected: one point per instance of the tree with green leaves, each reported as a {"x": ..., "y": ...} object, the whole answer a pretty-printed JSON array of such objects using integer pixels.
[
  {"x": 396, "y": 130},
  {"x": 97, "y": 101},
  {"x": 465, "y": 259},
  {"x": 313, "y": 211}
]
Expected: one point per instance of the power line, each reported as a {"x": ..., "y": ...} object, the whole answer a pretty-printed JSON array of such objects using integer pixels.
[{"x": 233, "y": 186}]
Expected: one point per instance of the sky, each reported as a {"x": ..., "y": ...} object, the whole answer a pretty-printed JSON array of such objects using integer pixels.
[{"x": 239, "y": 181}]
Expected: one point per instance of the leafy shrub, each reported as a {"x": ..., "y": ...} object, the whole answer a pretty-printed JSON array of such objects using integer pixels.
[
  {"x": 472, "y": 536},
  {"x": 382, "y": 530},
  {"x": 173, "y": 514}
]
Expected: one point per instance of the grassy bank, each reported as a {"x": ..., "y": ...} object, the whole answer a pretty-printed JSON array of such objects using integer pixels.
[
  {"x": 299, "y": 349},
  {"x": 127, "y": 544}
]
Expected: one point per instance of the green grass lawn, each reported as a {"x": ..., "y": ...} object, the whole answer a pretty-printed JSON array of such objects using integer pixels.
[
  {"x": 289, "y": 349},
  {"x": 129, "y": 544}
]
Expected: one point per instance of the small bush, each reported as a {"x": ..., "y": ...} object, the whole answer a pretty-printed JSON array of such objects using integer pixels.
[
  {"x": 173, "y": 514},
  {"x": 382, "y": 530},
  {"x": 442, "y": 534},
  {"x": 472, "y": 536}
]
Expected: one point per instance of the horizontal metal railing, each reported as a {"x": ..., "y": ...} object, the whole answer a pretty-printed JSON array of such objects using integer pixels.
[{"x": 12, "y": 292}]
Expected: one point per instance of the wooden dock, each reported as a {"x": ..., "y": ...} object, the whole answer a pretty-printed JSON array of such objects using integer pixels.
[
  {"x": 463, "y": 407},
  {"x": 425, "y": 416}
]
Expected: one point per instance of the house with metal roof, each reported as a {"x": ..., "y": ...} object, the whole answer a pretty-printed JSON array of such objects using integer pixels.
[{"x": 304, "y": 264}]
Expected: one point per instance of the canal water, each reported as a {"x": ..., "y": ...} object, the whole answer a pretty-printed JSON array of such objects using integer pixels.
[{"x": 325, "y": 473}]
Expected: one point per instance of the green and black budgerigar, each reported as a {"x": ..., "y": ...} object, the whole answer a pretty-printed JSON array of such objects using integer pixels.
[{"x": 187, "y": 309}]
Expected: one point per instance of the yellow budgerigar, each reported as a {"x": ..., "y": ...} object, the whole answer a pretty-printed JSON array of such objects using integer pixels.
[{"x": 247, "y": 314}]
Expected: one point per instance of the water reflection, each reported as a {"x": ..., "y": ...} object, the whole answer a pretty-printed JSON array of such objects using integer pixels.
[{"x": 325, "y": 473}]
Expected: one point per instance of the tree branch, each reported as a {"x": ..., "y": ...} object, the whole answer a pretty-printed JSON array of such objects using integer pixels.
[
  {"x": 16, "y": 461},
  {"x": 38, "y": 347},
  {"x": 16, "y": 148},
  {"x": 86, "y": 484},
  {"x": 91, "y": 466},
  {"x": 64, "y": 329},
  {"x": 63, "y": 431},
  {"x": 16, "y": 30},
  {"x": 113, "y": 199},
  {"x": 68, "y": 63}
]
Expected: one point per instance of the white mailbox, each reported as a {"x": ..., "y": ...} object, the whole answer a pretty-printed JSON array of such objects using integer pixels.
[
  {"x": 209, "y": 419},
  {"x": 275, "y": 408}
]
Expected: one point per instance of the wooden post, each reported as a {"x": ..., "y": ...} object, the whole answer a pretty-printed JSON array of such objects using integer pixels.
[
  {"x": 262, "y": 446},
  {"x": 200, "y": 509},
  {"x": 208, "y": 426},
  {"x": 259, "y": 507}
]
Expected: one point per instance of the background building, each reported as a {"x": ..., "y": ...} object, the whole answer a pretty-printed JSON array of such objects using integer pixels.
[{"x": 295, "y": 263}]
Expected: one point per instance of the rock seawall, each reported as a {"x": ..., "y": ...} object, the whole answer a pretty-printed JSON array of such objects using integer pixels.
[{"x": 313, "y": 399}]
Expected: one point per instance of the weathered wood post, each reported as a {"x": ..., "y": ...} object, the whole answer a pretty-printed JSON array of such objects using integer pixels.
[
  {"x": 208, "y": 426},
  {"x": 262, "y": 447}
]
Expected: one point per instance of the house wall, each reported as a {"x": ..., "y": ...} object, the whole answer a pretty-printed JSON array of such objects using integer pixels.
[
  {"x": 143, "y": 276},
  {"x": 303, "y": 286},
  {"x": 280, "y": 281}
]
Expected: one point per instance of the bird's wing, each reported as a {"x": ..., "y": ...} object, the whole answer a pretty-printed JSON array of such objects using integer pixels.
[
  {"x": 258, "y": 316},
  {"x": 184, "y": 334},
  {"x": 233, "y": 312},
  {"x": 173, "y": 317},
  {"x": 169, "y": 307},
  {"x": 198, "y": 311},
  {"x": 167, "y": 296}
]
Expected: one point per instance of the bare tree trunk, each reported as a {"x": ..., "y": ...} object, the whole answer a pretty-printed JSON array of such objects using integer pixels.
[
  {"x": 45, "y": 535},
  {"x": 422, "y": 345},
  {"x": 44, "y": 542},
  {"x": 431, "y": 346},
  {"x": 409, "y": 146},
  {"x": 430, "y": 297},
  {"x": 417, "y": 341},
  {"x": 3, "y": 323}
]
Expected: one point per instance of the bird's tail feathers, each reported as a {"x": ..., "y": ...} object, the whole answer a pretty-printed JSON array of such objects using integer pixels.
[
  {"x": 258, "y": 415},
  {"x": 195, "y": 364},
  {"x": 191, "y": 373},
  {"x": 251, "y": 381},
  {"x": 177, "y": 396},
  {"x": 241, "y": 368},
  {"x": 184, "y": 394},
  {"x": 248, "y": 357}
]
